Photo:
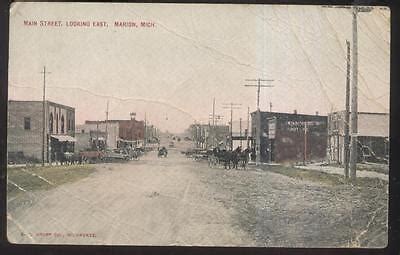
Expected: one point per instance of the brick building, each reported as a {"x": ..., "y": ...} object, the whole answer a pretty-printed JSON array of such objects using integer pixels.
[
  {"x": 112, "y": 134},
  {"x": 25, "y": 129},
  {"x": 373, "y": 135},
  {"x": 288, "y": 137}
]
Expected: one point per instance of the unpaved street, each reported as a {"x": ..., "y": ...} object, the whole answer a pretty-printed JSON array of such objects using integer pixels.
[
  {"x": 154, "y": 201},
  {"x": 178, "y": 201}
]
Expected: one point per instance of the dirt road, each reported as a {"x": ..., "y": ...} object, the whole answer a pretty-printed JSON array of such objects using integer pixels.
[
  {"x": 154, "y": 201},
  {"x": 177, "y": 201}
]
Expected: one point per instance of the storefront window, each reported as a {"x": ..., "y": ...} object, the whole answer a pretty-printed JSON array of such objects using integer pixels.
[
  {"x": 62, "y": 124},
  {"x": 51, "y": 123},
  {"x": 57, "y": 123},
  {"x": 27, "y": 123}
]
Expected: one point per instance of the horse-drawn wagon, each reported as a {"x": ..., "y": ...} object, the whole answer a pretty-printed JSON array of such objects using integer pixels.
[{"x": 228, "y": 159}]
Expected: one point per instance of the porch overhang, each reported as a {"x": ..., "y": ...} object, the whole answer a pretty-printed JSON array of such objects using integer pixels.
[{"x": 64, "y": 138}]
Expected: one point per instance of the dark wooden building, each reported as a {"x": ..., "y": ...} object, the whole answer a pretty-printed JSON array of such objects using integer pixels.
[{"x": 288, "y": 137}]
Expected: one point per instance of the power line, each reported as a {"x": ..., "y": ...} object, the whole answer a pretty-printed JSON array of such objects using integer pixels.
[
  {"x": 354, "y": 88},
  {"x": 115, "y": 97},
  {"x": 231, "y": 106},
  {"x": 259, "y": 86}
]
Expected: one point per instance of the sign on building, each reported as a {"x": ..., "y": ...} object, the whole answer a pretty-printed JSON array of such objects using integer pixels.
[{"x": 272, "y": 128}]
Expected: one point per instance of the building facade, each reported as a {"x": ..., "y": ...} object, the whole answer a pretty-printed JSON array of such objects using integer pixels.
[
  {"x": 288, "y": 137},
  {"x": 95, "y": 134},
  {"x": 112, "y": 134},
  {"x": 25, "y": 129},
  {"x": 207, "y": 136},
  {"x": 373, "y": 135}
]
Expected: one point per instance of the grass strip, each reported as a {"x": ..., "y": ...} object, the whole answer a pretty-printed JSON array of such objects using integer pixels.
[
  {"x": 29, "y": 178},
  {"x": 322, "y": 177}
]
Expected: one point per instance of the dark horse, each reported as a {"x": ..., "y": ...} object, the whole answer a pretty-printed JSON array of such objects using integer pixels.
[
  {"x": 244, "y": 157},
  {"x": 229, "y": 159},
  {"x": 218, "y": 156}
]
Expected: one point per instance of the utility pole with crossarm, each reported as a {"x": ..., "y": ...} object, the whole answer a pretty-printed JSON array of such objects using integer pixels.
[
  {"x": 258, "y": 121},
  {"x": 231, "y": 106},
  {"x": 354, "y": 88}
]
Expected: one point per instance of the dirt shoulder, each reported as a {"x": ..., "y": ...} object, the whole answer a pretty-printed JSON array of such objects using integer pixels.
[
  {"x": 31, "y": 179},
  {"x": 288, "y": 207}
]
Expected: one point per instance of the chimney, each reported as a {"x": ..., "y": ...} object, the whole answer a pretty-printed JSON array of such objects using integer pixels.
[
  {"x": 295, "y": 111},
  {"x": 316, "y": 113},
  {"x": 133, "y": 115}
]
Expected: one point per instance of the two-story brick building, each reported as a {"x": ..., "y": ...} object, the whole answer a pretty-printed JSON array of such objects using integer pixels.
[{"x": 25, "y": 129}]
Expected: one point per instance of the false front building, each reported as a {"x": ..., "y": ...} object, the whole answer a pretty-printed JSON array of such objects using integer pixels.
[
  {"x": 207, "y": 136},
  {"x": 112, "y": 134},
  {"x": 372, "y": 136},
  {"x": 25, "y": 139},
  {"x": 288, "y": 137}
]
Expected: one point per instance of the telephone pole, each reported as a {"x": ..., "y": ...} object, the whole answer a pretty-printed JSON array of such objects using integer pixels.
[
  {"x": 106, "y": 124},
  {"x": 346, "y": 116},
  {"x": 213, "y": 124},
  {"x": 240, "y": 132},
  {"x": 145, "y": 131},
  {"x": 305, "y": 142},
  {"x": 248, "y": 126},
  {"x": 44, "y": 113},
  {"x": 97, "y": 135},
  {"x": 258, "y": 116},
  {"x": 354, "y": 95},
  {"x": 259, "y": 86},
  {"x": 354, "y": 102},
  {"x": 354, "y": 88},
  {"x": 213, "y": 117},
  {"x": 231, "y": 106}
]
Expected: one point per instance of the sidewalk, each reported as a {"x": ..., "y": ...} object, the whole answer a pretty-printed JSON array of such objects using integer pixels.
[
  {"x": 340, "y": 171},
  {"x": 253, "y": 163}
]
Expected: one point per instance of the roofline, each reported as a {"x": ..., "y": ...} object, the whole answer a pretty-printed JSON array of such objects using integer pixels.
[
  {"x": 198, "y": 124},
  {"x": 104, "y": 121},
  {"x": 372, "y": 113},
  {"x": 40, "y": 101},
  {"x": 290, "y": 113}
]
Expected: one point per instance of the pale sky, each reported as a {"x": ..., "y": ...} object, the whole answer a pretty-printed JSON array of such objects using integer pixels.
[{"x": 196, "y": 52}]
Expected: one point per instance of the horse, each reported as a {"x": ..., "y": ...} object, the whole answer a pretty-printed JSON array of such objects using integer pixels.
[
  {"x": 212, "y": 158},
  {"x": 244, "y": 158},
  {"x": 229, "y": 159},
  {"x": 222, "y": 157}
]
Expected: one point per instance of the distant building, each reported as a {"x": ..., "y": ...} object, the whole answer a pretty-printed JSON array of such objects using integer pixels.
[
  {"x": 373, "y": 135},
  {"x": 112, "y": 133},
  {"x": 208, "y": 136},
  {"x": 25, "y": 129},
  {"x": 288, "y": 137},
  {"x": 152, "y": 134}
]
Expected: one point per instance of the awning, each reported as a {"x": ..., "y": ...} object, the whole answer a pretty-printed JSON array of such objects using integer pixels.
[
  {"x": 128, "y": 141},
  {"x": 98, "y": 138},
  {"x": 64, "y": 138}
]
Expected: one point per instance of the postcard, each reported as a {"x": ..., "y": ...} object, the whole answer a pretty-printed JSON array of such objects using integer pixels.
[{"x": 232, "y": 125}]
